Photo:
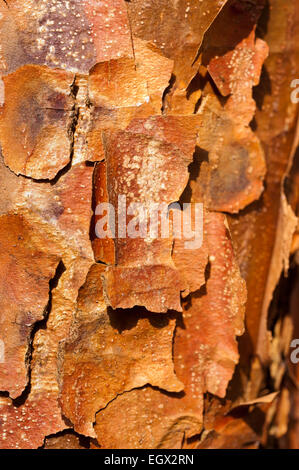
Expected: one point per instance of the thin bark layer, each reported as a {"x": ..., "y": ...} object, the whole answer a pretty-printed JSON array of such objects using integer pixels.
[{"x": 148, "y": 341}]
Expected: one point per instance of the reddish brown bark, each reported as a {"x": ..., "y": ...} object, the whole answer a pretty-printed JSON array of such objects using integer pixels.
[{"x": 148, "y": 342}]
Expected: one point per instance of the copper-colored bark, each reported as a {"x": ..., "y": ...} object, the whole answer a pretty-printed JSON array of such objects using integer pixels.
[{"x": 146, "y": 341}]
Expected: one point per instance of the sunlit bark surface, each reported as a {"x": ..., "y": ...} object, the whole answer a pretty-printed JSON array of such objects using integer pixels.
[{"x": 148, "y": 342}]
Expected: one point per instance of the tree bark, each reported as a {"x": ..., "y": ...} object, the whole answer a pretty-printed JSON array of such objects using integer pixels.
[{"x": 118, "y": 330}]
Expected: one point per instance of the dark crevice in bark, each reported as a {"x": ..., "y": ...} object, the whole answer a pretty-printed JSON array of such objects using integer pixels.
[
  {"x": 71, "y": 132},
  {"x": 84, "y": 441},
  {"x": 290, "y": 183},
  {"x": 194, "y": 439},
  {"x": 102, "y": 262},
  {"x": 200, "y": 155},
  {"x": 126, "y": 319},
  {"x": 92, "y": 226},
  {"x": 39, "y": 325},
  {"x": 263, "y": 89},
  {"x": 167, "y": 92},
  {"x": 263, "y": 22},
  {"x": 280, "y": 303}
]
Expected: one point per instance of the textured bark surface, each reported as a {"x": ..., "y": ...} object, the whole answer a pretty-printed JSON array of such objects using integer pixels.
[{"x": 148, "y": 342}]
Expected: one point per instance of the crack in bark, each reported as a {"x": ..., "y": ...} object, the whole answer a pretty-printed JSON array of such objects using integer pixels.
[
  {"x": 131, "y": 33},
  {"x": 75, "y": 114},
  {"x": 41, "y": 324},
  {"x": 167, "y": 92},
  {"x": 154, "y": 387}
]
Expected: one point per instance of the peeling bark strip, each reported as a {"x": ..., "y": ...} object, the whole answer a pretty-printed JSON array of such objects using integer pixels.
[
  {"x": 123, "y": 342},
  {"x": 36, "y": 120},
  {"x": 108, "y": 355}
]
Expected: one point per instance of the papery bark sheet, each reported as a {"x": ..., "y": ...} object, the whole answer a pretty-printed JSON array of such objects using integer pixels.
[{"x": 123, "y": 328}]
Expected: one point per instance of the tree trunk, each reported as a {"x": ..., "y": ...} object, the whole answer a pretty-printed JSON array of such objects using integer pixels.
[{"x": 148, "y": 228}]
